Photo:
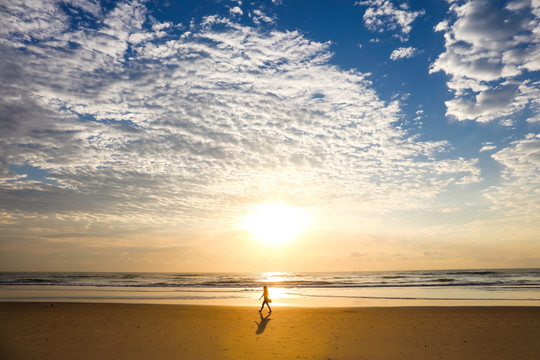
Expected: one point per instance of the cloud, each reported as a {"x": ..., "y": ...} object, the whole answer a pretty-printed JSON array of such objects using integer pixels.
[
  {"x": 403, "y": 53},
  {"x": 487, "y": 147},
  {"x": 518, "y": 194},
  {"x": 382, "y": 15},
  {"x": 236, "y": 11},
  {"x": 490, "y": 54},
  {"x": 159, "y": 124},
  {"x": 258, "y": 17}
]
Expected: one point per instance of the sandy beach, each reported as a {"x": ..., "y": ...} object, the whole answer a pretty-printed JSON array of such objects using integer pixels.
[{"x": 138, "y": 331}]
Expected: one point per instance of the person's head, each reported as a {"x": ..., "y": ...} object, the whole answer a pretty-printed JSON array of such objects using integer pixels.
[{"x": 265, "y": 288}]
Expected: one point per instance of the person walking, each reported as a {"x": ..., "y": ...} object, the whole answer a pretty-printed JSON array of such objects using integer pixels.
[{"x": 266, "y": 300}]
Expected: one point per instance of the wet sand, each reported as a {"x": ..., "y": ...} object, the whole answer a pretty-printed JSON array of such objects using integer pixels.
[{"x": 138, "y": 331}]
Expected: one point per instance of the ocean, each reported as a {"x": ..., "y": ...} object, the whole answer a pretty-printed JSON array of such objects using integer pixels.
[{"x": 502, "y": 287}]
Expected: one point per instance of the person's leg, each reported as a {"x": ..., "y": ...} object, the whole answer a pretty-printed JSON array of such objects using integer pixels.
[{"x": 269, "y": 308}]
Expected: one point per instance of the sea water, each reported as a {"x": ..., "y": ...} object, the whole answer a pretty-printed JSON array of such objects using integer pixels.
[{"x": 499, "y": 287}]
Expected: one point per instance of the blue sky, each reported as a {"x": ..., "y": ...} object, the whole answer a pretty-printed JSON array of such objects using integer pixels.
[{"x": 136, "y": 135}]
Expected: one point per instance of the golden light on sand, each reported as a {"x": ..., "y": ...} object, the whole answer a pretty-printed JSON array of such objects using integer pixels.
[{"x": 276, "y": 223}]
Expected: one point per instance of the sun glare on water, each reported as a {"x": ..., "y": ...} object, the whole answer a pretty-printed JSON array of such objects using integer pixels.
[{"x": 275, "y": 223}]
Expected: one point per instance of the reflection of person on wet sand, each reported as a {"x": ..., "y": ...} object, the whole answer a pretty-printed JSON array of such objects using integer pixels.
[
  {"x": 262, "y": 325},
  {"x": 267, "y": 300}
]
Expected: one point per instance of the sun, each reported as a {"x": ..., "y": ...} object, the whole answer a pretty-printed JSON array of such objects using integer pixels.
[{"x": 275, "y": 223}]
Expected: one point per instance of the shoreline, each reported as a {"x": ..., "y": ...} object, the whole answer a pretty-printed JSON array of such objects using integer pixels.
[
  {"x": 62, "y": 330},
  {"x": 330, "y": 297}
]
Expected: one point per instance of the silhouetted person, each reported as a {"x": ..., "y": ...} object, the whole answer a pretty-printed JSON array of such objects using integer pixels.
[{"x": 267, "y": 300}]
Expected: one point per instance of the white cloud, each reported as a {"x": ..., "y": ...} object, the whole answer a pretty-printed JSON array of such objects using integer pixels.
[
  {"x": 25, "y": 20},
  {"x": 507, "y": 122},
  {"x": 490, "y": 53},
  {"x": 403, "y": 53},
  {"x": 259, "y": 16},
  {"x": 382, "y": 15},
  {"x": 488, "y": 146},
  {"x": 161, "y": 26},
  {"x": 518, "y": 194},
  {"x": 442, "y": 26},
  {"x": 236, "y": 11},
  {"x": 198, "y": 124}
]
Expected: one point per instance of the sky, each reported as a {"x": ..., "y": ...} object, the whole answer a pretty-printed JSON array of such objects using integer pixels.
[{"x": 173, "y": 135}]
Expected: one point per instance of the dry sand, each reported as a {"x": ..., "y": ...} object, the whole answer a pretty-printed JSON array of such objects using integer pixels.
[{"x": 120, "y": 331}]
